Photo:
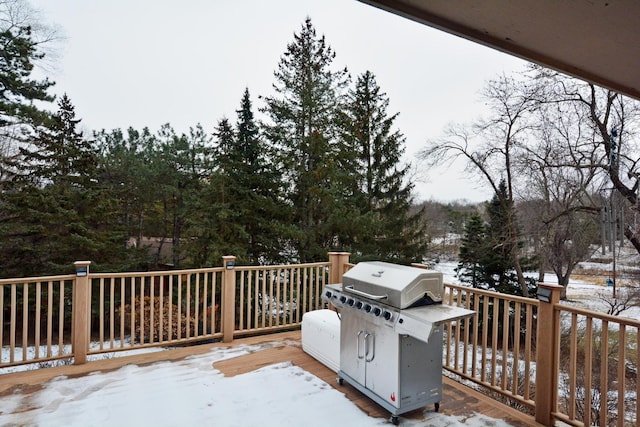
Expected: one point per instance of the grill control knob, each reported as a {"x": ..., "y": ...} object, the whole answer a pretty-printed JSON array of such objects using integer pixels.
[
  {"x": 387, "y": 315},
  {"x": 359, "y": 305},
  {"x": 367, "y": 308},
  {"x": 377, "y": 311},
  {"x": 343, "y": 299},
  {"x": 328, "y": 294},
  {"x": 350, "y": 301}
]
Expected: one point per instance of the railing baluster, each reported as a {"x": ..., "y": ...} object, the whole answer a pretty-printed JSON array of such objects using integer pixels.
[
  {"x": 132, "y": 285},
  {"x": 179, "y": 321},
  {"x": 495, "y": 310},
  {"x": 622, "y": 373},
  {"x": 588, "y": 383},
  {"x": 466, "y": 300},
  {"x": 161, "y": 303},
  {"x": 241, "y": 322},
  {"x": 474, "y": 345},
  {"x": 206, "y": 315},
  {"x": 319, "y": 283},
  {"x": 527, "y": 350},
  {"x": 188, "y": 304},
  {"x": 12, "y": 324},
  {"x": 272, "y": 275},
  {"x": 170, "y": 304},
  {"x": 305, "y": 291},
  {"x": 291, "y": 309},
  {"x": 122, "y": 313},
  {"x": 604, "y": 372},
  {"x": 506, "y": 333},
  {"x": 101, "y": 313},
  {"x": 265, "y": 298},
  {"x": 197, "y": 305},
  {"x": 251, "y": 309},
  {"x": 152, "y": 308},
  {"x": 456, "y": 336},
  {"x": 61, "y": 319},
  {"x": 299, "y": 296},
  {"x": 485, "y": 333},
  {"x": 516, "y": 348},
  {"x": 37, "y": 328},
  {"x": 573, "y": 351},
  {"x": 112, "y": 303},
  {"x": 49, "y": 317},
  {"x": 25, "y": 320}
]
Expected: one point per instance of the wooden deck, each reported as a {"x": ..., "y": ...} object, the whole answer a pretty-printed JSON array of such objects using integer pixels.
[{"x": 457, "y": 399}]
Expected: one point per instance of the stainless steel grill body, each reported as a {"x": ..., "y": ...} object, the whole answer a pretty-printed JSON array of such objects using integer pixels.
[{"x": 391, "y": 334}]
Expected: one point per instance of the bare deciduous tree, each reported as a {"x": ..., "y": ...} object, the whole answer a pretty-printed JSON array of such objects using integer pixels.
[
  {"x": 610, "y": 147},
  {"x": 560, "y": 176},
  {"x": 490, "y": 147}
]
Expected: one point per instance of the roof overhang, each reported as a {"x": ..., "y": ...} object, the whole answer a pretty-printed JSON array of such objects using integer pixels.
[{"x": 594, "y": 40}]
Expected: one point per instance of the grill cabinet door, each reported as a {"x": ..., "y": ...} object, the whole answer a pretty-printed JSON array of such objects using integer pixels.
[
  {"x": 382, "y": 368},
  {"x": 369, "y": 354},
  {"x": 352, "y": 346}
]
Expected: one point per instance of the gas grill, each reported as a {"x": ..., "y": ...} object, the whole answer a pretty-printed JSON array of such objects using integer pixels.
[{"x": 391, "y": 334}]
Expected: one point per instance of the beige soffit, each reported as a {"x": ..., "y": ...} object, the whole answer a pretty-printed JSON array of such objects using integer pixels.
[{"x": 598, "y": 41}]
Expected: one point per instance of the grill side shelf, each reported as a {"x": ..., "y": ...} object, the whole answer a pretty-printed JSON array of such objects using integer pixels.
[{"x": 420, "y": 321}]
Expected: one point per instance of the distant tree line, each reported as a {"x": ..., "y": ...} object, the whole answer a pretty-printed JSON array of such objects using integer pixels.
[{"x": 321, "y": 172}]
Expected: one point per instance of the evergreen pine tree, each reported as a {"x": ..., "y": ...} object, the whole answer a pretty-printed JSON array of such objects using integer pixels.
[
  {"x": 19, "y": 113},
  {"x": 499, "y": 261},
  {"x": 59, "y": 154},
  {"x": 303, "y": 128},
  {"x": 56, "y": 212},
  {"x": 473, "y": 250},
  {"x": 391, "y": 231},
  {"x": 264, "y": 214}
]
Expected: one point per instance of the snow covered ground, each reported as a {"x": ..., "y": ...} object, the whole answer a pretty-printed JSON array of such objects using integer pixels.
[{"x": 192, "y": 392}]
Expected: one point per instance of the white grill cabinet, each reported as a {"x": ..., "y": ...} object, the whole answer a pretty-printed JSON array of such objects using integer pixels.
[{"x": 391, "y": 333}]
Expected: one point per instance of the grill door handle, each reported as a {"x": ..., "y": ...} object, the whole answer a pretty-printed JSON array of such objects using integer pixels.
[
  {"x": 369, "y": 337},
  {"x": 358, "y": 345},
  {"x": 366, "y": 295}
]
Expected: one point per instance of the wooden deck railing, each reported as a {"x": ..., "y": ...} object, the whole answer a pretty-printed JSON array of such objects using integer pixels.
[
  {"x": 135, "y": 310},
  {"x": 496, "y": 348},
  {"x": 561, "y": 363},
  {"x": 275, "y": 298},
  {"x": 35, "y": 315},
  {"x": 78, "y": 316},
  {"x": 597, "y": 377}
]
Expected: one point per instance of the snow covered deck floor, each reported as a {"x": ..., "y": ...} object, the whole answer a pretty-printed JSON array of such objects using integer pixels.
[{"x": 458, "y": 401}]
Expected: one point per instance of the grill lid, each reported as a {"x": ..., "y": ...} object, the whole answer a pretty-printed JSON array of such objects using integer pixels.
[{"x": 399, "y": 286}]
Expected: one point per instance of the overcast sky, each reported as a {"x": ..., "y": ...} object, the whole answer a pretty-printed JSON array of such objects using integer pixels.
[{"x": 148, "y": 62}]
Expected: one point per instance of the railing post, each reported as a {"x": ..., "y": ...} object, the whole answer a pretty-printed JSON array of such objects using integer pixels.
[
  {"x": 81, "y": 308},
  {"x": 547, "y": 340},
  {"x": 228, "y": 297},
  {"x": 337, "y": 260}
]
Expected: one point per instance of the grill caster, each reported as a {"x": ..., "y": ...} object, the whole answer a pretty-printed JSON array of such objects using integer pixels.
[
  {"x": 437, "y": 406},
  {"x": 394, "y": 420},
  {"x": 340, "y": 381}
]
